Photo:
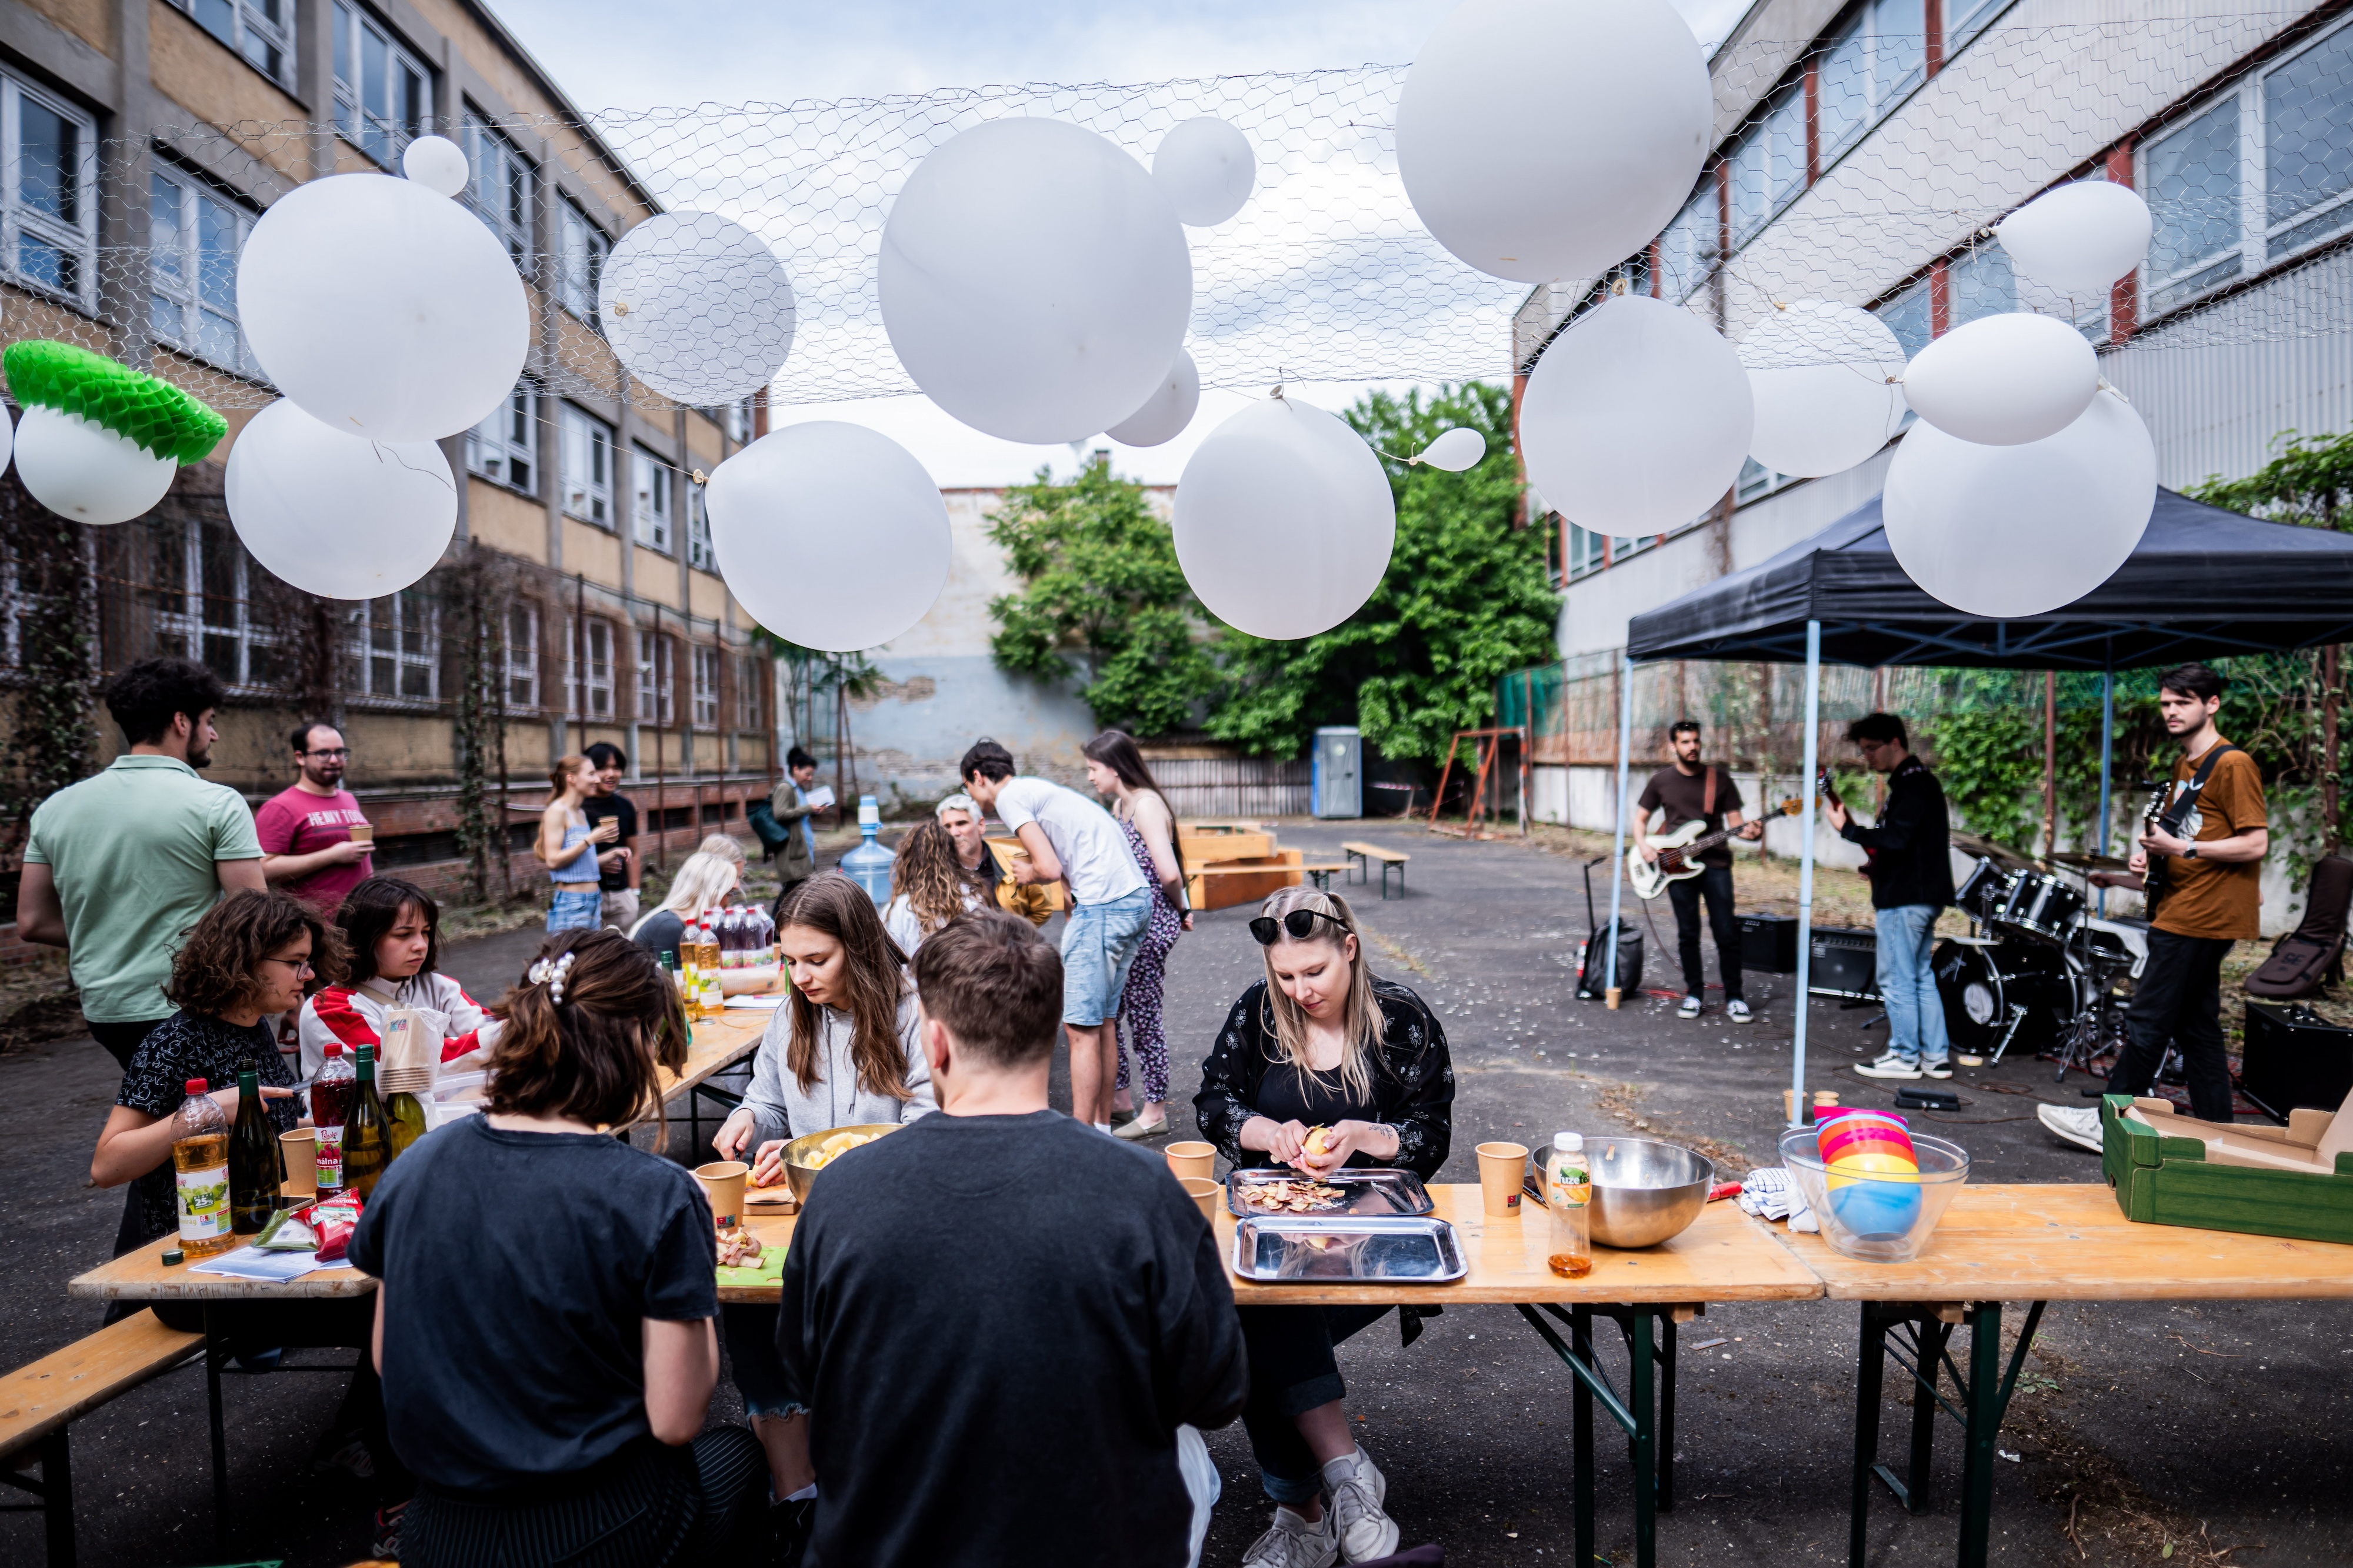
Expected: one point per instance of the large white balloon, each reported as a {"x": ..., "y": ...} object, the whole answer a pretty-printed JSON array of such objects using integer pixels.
[
  {"x": 2079, "y": 239},
  {"x": 1285, "y": 520},
  {"x": 436, "y": 162},
  {"x": 1637, "y": 418},
  {"x": 698, "y": 307},
  {"x": 1207, "y": 168},
  {"x": 1167, "y": 412},
  {"x": 1455, "y": 450},
  {"x": 833, "y": 536},
  {"x": 2009, "y": 532},
  {"x": 80, "y": 470},
  {"x": 383, "y": 308},
  {"x": 1544, "y": 139},
  {"x": 335, "y": 515},
  {"x": 1034, "y": 280},
  {"x": 1827, "y": 383},
  {"x": 2001, "y": 381}
]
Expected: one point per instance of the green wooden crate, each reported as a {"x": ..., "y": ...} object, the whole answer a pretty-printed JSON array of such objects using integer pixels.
[{"x": 2168, "y": 1181}]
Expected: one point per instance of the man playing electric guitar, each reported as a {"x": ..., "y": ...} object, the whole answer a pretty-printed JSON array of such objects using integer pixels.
[
  {"x": 1911, "y": 868},
  {"x": 1694, "y": 792}
]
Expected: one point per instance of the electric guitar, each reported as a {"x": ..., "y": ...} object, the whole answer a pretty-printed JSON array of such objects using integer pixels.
[
  {"x": 1829, "y": 791},
  {"x": 2157, "y": 815},
  {"x": 1679, "y": 852}
]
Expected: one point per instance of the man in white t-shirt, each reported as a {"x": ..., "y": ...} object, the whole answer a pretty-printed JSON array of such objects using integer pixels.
[{"x": 1073, "y": 841}]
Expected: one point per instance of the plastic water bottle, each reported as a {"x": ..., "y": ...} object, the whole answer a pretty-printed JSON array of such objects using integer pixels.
[
  {"x": 1568, "y": 1199},
  {"x": 869, "y": 865}
]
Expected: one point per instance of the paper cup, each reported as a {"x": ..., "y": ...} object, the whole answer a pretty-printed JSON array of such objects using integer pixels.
[
  {"x": 363, "y": 833},
  {"x": 1501, "y": 1167},
  {"x": 1193, "y": 1159},
  {"x": 722, "y": 1188},
  {"x": 300, "y": 1149},
  {"x": 1204, "y": 1192}
]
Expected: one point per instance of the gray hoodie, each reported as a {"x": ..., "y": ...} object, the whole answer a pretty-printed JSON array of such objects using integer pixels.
[{"x": 779, "y": 1109}]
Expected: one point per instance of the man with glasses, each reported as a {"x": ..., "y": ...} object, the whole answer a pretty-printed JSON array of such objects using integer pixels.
[
  {"x": 1911, "y": 873},
  {"x": 966, "y": 825},
  {"x": 316, "y": 844}
]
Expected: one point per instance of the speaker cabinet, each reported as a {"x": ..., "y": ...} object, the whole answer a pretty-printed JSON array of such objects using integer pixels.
[{"x": 2294, "y": 1059}]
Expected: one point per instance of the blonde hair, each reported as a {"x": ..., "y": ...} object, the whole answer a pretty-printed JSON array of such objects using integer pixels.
[
  {"x": 701, "y": 880},
  {"x": 1361, "y": 1025},
  {"x": 726, "y": 848}
]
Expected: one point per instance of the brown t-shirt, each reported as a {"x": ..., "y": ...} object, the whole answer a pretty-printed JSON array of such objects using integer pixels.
[
  {"x": 1684, "y": 794},
  {"x": 2206, "y": 898}
]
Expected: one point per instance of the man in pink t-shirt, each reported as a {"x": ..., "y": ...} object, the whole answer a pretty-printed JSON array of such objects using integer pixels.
[{"x": 307, "y": 847}]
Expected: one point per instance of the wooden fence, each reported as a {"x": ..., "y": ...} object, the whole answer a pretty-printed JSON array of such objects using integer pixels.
[{"x": 1236, "y": 786}]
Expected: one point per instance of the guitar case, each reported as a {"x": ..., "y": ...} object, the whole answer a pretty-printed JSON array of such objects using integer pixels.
[
  {"x": 1593, "y": 954},
  {"x": 2311, "y": 955}
]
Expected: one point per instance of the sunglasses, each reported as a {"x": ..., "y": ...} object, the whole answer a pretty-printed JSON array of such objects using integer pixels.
[{"x": 1299, "y": 923}]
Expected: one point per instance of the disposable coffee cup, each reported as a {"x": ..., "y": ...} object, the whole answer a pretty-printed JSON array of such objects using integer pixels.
[
  {"x": 1193, "y": 1159},
  {"x": 1501, "y": 1168},
  {"x": 722, "y": 1188},
  {"x": 301, "y": 1149},
  {"x": 363, "y": 833},
  {"x": 1204, "y": 1192}
]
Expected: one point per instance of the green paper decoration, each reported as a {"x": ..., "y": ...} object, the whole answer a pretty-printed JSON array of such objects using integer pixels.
[{"x": 153, "y": 413}]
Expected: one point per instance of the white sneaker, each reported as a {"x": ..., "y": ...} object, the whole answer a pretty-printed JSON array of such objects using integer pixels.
[
  {"x": 1737, "y": 1011},
  {"x": 1690, "y": 1009},
  {"x": 1889, "y": 1066},
  {"x": 2078, "y": 1126},
  {"x": 1357, "y": 1490},
  {"x": 1294, "y": 1543},
  {"x": 1936, "y": 1069}
]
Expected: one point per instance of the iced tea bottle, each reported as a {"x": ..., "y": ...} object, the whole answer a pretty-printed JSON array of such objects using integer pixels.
[
  {"x": 200, "y": 1173},
  {"x": 1569, "y": 1205}
]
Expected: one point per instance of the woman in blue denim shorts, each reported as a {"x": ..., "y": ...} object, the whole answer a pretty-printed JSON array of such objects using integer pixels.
[{"x": 567, "y": 845}]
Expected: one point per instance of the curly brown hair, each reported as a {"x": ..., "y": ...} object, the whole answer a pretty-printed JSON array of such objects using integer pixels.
[
  {"x": 930, "y": 877},
  {"x": 214, "y": 971},
  {"x": 590, "y": 1057}
]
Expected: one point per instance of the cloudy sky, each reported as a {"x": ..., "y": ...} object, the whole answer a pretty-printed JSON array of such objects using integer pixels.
[{"x": 608, "y": 54}]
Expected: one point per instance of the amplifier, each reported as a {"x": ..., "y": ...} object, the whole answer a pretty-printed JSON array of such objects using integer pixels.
[
  {"x": 1844, "y": 963},
  {"x": 1768, "y": 944},
  {"x": 2294, "y": 1058}
]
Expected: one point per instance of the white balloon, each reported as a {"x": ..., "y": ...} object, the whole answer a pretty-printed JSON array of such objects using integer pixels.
[
  {"x": 1637, "y": 418},
  {"x": 335, "y": 515},
  {"x": 8, "y": 435},
  {"x": 1827, "y": 380},
  {"x": 80, "y": 470},
  {"x": 1167, "y": 412},
  {"x": 1544, "y": 139},
  {"x": 1208, "y": 169},
  {"x": 1034, "y": 280},
  {"x": 2079, "y": 239},
  {"x": 2004, "y": 380},
  {"x": 1456, "y": 449},
  {"x": 2008, "y": 532},
  {"x": 383, "y": 308},
  {"x": 698, "y": 307},
  {"x": 832, "y": 535},
  {"x": 1285, "y": 520},
  {"x": 438, "y": 164}
]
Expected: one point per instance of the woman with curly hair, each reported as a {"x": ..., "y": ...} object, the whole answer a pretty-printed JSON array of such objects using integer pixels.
[{"x": 930, "y": 885}]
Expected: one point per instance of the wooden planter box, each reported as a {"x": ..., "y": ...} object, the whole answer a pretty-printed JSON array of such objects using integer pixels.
[{"x": 2296, "y": 1181}]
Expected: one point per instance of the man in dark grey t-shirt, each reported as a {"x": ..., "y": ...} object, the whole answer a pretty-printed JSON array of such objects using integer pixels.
[{"x": 1691, "y": 791}]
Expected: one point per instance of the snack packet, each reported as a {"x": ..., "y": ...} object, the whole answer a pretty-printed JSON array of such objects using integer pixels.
[
  {"x": 288, "y": 1231},
  {"x": 333, "y": 1219}
]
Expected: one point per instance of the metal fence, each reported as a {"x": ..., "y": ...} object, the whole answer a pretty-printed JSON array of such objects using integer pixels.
[{"x": 1238, "y": 787}]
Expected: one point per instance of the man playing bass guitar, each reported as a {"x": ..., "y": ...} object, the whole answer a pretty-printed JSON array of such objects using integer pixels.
[{"x": 1692, "y": 791}]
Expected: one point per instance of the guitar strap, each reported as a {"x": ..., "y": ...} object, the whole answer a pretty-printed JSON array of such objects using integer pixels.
[{"x": 2174, "y": 815}]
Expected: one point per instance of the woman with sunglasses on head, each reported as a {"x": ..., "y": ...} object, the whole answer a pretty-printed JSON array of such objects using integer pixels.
[{"x": 1320, "y": 1064}]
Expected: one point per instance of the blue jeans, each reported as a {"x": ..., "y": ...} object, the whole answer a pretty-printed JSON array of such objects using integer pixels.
[
  {"x": 1098, "y": 945},
  {"x": 575, "y": 906},
  {"x": 1915, "y": 1013}
]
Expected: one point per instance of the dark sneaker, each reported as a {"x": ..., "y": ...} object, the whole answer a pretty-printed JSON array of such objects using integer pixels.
[
  {"x": 1889, "y": 1066},
  {"x": 386, "y": 1540}
]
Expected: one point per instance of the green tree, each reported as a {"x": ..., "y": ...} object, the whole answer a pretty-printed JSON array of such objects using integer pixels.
[
  {"x": 2309, "y": 482},
  {"x": 1464, "y": 600},
  {"x": 1103, "y": 602}
]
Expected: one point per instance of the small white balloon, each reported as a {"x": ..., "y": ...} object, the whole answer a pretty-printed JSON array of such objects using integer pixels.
[
  {"x": 832, "y": 534},
  {"x": 383, "y": 308},
  {"x": 2004, "y": 380},
  {"x": 1034, "y": 280},
  {"x": 1637, "y": 420},
  {"x": 1167, "y": 412},
  {"x": 1285, "y": 520},
  {"x": 1827, "y": 380},
  {"x": 2080, "y": 238},
  {"x": 438, "y": 164},
  {"x": 8, "y": 435},
  {"x": 1208, "y": 169},
  {"x": 1545, "y": 139},
  {"x": 2011, "y": 532},
  {"x": 698, "y": 307},
  {"x": 335, "y": 515},
  {"x": 1456, "y": 449},
  {"x": 80, "y": 470}
]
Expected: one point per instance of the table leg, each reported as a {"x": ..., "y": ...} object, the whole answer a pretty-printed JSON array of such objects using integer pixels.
[
  {"x": 1984, "y": 1425},
  {"x": 1646, "y": 1440},
  {"x": 1870, "y": 1376},
  {"x": 57, "y": 1499},
  {"x": 1580, "y": 1339},
  {"x": 1929, "y": 1335},
  {"x": 216, "y": 1352},
  {"x": 1667, "y": 1413}
]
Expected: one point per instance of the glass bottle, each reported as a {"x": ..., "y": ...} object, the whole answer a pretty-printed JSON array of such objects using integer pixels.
[
  {"x": 405, "y": 1122},
  {"x": 367, "y": 1133},
  {"x": 200, "y": 1173},
  {"x": 1569, "y": 1205},
  {"x": 254, "y": 1171},
  {"x": 331, "y": 1094}
]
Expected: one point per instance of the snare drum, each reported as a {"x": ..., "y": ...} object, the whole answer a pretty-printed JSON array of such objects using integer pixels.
[{"x": 2041, "y": 904}]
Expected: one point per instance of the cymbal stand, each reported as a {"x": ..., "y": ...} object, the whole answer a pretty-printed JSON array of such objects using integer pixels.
[{"x": 2099, "y": 1029}]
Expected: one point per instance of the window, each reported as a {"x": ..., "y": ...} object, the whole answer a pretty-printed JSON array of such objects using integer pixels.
[
  {"x": 49, "y": 213},
  {"x": 699, "y": 553},
  {"x": 593, "y": 699},
  {"x": 1872, "y": 63},
  {"x": 1965, "y": 19},
  {"x": 586, "y": 446},
  {"x": 261, "y": 30},
  {"x": 735, "y": 419},
  {"x": 1909, "y": 317},
  {"x": 1756, "y": 480},
  {"x": 584, "y": 250},
  {"x": 194, "y": 237},
  {"x": 504, "y": 448},
  {"x": 1687, "y": 249},
  {"x": 1769, "y": 167},
  {"x": 519, "y": 655},
  {"x": 706, "y": 688},
  {"x": 383, "y": 96},
  {"x": 655, "y": 677},
  {"x": 1581, "y": 551},
  {"x": 2192, "y": 180},
  {"x": 751, "y": 679},
  {"x": 650, "y": 505},
  {"x": 1980, "y": 284},
  {"x": 204, "y": 609},
  {"x": 394, "y": 648},
  {"x": 2308, "y": 145},
  {"x": 500, "y": 192}
]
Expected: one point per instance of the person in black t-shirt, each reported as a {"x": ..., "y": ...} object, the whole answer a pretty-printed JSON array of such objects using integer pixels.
[
  {"x": 545, "y": 1324},
  {"x": 1692, "y": 791},
  {"x": 1321, "y": 1046},
  {"x": 618, "y": 870}
]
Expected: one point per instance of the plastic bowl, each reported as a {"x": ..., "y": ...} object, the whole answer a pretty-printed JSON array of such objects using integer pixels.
[{"x": 1884, "y": 1216}]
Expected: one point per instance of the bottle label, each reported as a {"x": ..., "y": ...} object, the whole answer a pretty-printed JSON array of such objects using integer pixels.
[
  {"x": 203, "y": 1203},
  {"x": 1569, "y": 1185},
  {"x": 331, "y": 1159}
]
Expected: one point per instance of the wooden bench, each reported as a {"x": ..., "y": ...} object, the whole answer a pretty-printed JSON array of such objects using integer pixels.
[
  {"x": 39, "y": 1402},
  {"x": 1319, "y": 871},
  {"x": 1363, "y": 855}
]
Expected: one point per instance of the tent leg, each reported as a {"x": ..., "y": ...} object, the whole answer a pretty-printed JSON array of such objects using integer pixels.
[
  {"x": 2107, "y": 753},
  {"x": 1618, "y": 850},
  {"x": 1806, "y": 873}
]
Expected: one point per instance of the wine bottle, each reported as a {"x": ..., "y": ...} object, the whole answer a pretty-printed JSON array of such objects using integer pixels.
[
  {"x": 367, "y": 1133},
  {"x": 253, "y": 1161},
  {"x": 406, "y": 1121}
]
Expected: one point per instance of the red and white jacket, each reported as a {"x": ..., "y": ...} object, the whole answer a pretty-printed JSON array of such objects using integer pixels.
[{"x": 355, "y": 1015}]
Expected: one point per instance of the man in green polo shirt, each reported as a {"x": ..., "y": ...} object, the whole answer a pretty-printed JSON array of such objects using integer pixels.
[{"x": 119, "y": 865}]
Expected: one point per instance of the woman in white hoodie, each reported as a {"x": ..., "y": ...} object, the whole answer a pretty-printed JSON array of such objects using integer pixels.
[{"x": 393, "y": 930}]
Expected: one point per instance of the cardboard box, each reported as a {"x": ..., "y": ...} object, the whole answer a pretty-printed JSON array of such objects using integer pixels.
[{"x": 2170, "y": 1169}]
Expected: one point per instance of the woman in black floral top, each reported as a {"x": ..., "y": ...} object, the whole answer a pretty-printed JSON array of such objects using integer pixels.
[{"x": 1320, "y": 1044}]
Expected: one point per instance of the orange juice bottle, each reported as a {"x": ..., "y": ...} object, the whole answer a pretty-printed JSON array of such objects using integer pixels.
[{"x": 200, "y": 1173}]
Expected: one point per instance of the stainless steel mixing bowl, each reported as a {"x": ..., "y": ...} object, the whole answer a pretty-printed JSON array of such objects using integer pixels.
[{"x": 1644, "y": 1192}]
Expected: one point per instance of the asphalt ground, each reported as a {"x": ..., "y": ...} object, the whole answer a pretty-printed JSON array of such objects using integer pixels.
[{"x": 2134, "y": 1439}]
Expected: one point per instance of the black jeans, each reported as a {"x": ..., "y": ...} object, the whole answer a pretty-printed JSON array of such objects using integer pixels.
[
  {"x": 122, "y": 1040},
  {"x": 1715, "y": 883},
  {"x": 1291, "y": 1372},
  {"x": 2179, "y": 999}
]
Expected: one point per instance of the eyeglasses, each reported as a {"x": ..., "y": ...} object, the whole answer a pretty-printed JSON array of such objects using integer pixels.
[
  {"x": 1299, "y": 923},
  {"x": 299, "y": 965},
  {"x": 336, "y": 752}
]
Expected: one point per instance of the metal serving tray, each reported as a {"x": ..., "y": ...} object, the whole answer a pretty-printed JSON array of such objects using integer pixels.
[
  {"x": 1366, "y": 1190},
  {"x": 1306, "y": 1249}
]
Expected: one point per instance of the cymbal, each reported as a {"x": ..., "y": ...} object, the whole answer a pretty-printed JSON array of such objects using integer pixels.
[
  {"x": 2001, "y": 855},
  {"x": 2092, "y": 862}
]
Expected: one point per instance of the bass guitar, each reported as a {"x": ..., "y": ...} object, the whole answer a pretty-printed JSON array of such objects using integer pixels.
[
  {"x": 1679, "y": 852},
  {"x": 1829, "y": 791}
]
